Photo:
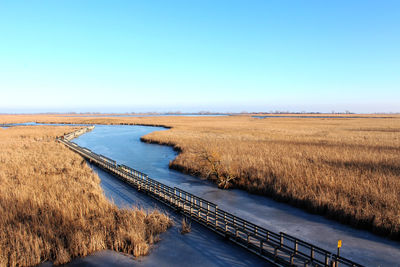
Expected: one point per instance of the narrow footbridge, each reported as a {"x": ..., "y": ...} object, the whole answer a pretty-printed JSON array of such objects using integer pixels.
[{"x": 279, "y": 249}]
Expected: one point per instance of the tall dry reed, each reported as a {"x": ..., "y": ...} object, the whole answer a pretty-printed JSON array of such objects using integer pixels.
[{"x": 52, "y": 207}]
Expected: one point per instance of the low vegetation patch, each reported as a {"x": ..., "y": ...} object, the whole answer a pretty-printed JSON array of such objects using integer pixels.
[
  {"x": 52, "y": 206},
  {"x": 186, "y": 226}
]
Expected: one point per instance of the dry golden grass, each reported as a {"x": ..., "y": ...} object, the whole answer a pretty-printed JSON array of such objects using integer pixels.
[
  {"x": 345, "y": 169},
  {"x": 52, "y": 207},
  {"x": 186, "y": 226}
]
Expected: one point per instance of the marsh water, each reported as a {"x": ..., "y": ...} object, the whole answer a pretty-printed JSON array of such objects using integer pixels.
[{"x": 201, "y": 247}]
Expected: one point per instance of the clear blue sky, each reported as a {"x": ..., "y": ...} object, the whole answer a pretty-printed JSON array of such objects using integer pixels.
[{"x": 77, "y": 55}]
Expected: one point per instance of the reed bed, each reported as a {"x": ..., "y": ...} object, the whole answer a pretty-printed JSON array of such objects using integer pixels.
[
  {"x": 346, "y": 169},
  {"x": 52, "y": 207}
]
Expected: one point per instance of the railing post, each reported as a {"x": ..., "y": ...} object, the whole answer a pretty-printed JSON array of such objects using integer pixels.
[
  {"x": 175, "y": 199},
  {"x": 312, "y": 254},
  {"x": 208, "y": 209},
  {"x": 326, "y": 260},
  {"x": 281, "y": 240},
  {"x": 226, "y": 225},
  {"x": 216, "y": 216}
]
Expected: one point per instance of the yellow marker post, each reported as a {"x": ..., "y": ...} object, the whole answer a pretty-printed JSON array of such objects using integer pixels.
[{"x": 339, "y": 245}]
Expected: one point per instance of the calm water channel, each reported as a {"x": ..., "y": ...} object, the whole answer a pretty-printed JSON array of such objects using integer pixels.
[{"x": 201, "y": 247}]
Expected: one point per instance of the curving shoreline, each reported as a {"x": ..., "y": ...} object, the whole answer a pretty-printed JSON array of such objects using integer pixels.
[
  {"x": 123, "y": 144},
  {"x": 351, "y": 215}
]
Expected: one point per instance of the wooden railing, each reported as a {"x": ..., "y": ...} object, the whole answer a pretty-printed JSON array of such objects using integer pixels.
[
  {"x": 277, "y": 248},
  {"x": 77, "y": 133}
]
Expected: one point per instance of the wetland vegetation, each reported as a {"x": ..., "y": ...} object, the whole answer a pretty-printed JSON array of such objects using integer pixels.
[
  {"x": 53, "y": 208},
  {"x": 344, "y": 168}
]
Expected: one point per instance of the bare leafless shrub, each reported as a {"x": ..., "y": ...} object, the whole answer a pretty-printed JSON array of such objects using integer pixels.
[{"x": 215, "y": 169}]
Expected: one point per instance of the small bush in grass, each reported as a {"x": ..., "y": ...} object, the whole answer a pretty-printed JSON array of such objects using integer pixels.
[{"x": 186, "y": 226}]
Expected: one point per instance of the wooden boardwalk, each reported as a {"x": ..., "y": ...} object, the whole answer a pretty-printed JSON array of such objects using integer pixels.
[{"x": 277, "y": 248}]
